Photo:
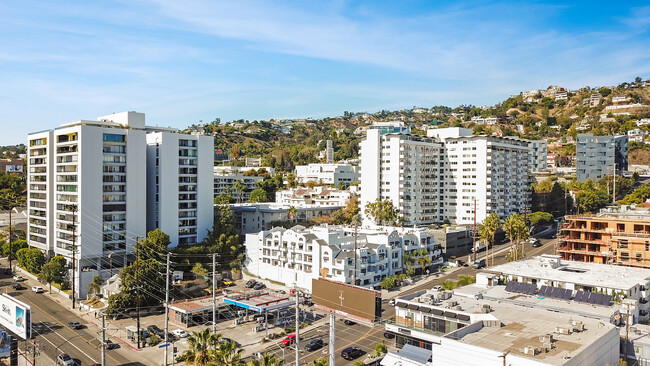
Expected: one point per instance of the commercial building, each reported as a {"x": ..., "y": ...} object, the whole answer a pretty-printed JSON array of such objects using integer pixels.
[
  {"x": 300, "y": 254},
  {"x": 180, "y": 185},
  {"x": 469, "y": 327},
  {"x": 617, "y": 235},
  {"x": 328, "y": 173},
  {"x": 454, "y": 240},
  {"x": 225, "y": 178},
  {"x": 598, "y": 156},
  {"x": 319, "y": 196},
  {"x": 255, "y": 217},
  {"x": 88, "y": 191},
  {"x": 538, "y": 156}
]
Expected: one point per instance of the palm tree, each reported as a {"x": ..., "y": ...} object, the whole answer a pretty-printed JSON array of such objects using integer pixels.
[
  {"x": 486, "y": 231},
  {"x": 202, "y": 347},
  {"x": 509, "y": 226},
  {"x": 292, "y": 213},
  {"x": 239, "y": 187},
  {"x": 267, "y": 360},
  {"x": 96, "y": 285},
  {"x": 227, "y": 354},
  {"x": 424, "y": 259}
]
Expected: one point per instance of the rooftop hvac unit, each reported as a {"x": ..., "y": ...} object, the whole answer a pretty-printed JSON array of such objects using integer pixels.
[
  {"x": 458, "y": 308},
  {"x": 562, "y": 330},
  {"x": 453, "y": 303},
  {"x": 578, "y": 326},
  {"x": 485, "y": 310},
  {"x": 546, "y": 338},
  {"x": 530, "y": 351}
]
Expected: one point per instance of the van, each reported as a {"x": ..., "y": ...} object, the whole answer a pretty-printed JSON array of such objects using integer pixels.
[{"x": 479, "y": 264}]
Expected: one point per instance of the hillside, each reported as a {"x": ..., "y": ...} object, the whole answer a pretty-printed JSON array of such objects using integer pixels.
[{"x": 555, "y": 114}]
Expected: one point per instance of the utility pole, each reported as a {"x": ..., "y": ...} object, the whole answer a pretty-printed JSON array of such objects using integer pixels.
[
  {"x": 214, "y": 292},
  {"x": 297, "y": 293},
  {"x": 167, "y": 310},
  {"x": 103, "y": 339},
  {"x": 354, "y": 275},
  {"x": 10, "y": 235},
  {"x": 74, "y": 252},
  {"x": 627, "y": 331},
  {"x": 614, "y": 197},
  {"x": 474, "y": 232},
  {"x": 137, "y": 281},
  {"x": 332, "y": 345}
]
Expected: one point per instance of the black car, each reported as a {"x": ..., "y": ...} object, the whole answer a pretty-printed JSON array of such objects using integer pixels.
[
  {"x": 349, "y": 322},
  {"x": 314, "y": 344},
  {"x": 537, "y": 243},
  {"x": 111, "y": 345},
  {"x": 153, "y": 329},
  {"x": 259, "y": 286},
  {"x": 250, "y": 283},
  {"x": 461, "y": 263},
  {"x": 351, "y": 353},
  {"x": 18, "y": 286},
  {"x": 389, "y": 335},
  {"x": 75, "y": 325}
]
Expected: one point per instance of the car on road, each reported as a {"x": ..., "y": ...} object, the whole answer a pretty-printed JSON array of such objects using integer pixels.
[
  {"x": 250, "y": 283},
  {"x": 17, "y": 286},
  {"x": 461, "y": 263},
  {"x": 153, "y": 329},
  {"x": 111, "y": 345},
  {"x": 227, "y": 282},
  {"x": 314, "y": 344},
  {"x": 74, "y": 325},
  {"x": 19, "y": 278},
  {"x": 479, "y": 264},
  {"x": 389, "y": 335},
  {"x": 64, "y": 360},
  {"x": 391, "y": 302},
  {"x": 180, "y": 333},
  {"x": 349, "y": 322},
  {"x": 259, "y": 286},
  {"x": 536, "y": 243},
  {"x": 37, "y": 289},
  {"x": 350, "y": 353},
  {"x": 437, "y": 288},
  {"x": 291, "y": 339}
]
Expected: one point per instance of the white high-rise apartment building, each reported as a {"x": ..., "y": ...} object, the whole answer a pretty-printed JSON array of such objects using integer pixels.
[
  {"x": 446, "y": 175},
  {"x": 180, "y": 182},
  {"x": 328, "y": 173},
  {"x": 96, "y": 173}
]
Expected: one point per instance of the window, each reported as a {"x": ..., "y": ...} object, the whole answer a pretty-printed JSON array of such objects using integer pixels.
[{"x": 114, "y": 137}]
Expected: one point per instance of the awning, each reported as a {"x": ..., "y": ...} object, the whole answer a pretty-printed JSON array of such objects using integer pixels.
[
  {"x": 449, "y": 314},
  {"x": 463, "y": 317},
  {"x": 436, "y": 311},
  {"x": 412, "y": 306}
]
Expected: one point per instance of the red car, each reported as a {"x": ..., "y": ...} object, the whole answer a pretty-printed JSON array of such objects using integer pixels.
[{"x": 291, "y": 339}]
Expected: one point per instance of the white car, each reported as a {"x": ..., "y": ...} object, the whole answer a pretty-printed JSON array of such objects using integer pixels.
[
  {"x": 391, "y": 302},
  {"x": 37, "y": 289},
  {"x": 18, "y": 278},
  {"x": 437, "y": 288},
  {"x": 180, "y": 333}
]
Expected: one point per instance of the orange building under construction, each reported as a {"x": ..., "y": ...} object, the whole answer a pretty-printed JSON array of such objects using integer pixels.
[{"x": 618, "y": 236}]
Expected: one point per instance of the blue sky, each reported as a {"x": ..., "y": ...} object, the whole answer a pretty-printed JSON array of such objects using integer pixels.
[{"x": 185, "y": 61}]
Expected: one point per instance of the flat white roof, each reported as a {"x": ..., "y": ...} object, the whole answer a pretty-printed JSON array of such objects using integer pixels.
[{"x": 581, "y": 273}]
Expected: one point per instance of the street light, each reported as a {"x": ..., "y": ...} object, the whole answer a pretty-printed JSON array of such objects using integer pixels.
[
  {"x": 110, "y": 256},
  {"x": 56, "y": 349}
]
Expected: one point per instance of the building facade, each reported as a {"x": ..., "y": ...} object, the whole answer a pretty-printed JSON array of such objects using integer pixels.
[
  {"x": 319, "y": 196},
  {"x": 538, "y": 156},
  {"x": 328, "y": 173},
  {"x": 255, "y": 217},
  {"x": 599, "y": 156},
  {"x": 300, "y": 254},
  {"x": 180, "y": 185},
  {"x": 225, "y": 178}
]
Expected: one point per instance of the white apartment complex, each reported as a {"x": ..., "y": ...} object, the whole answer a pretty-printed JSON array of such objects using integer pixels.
[
  {"x": 255, "y": 217},
  {"x": 180, "y": 185},
  {"x": 538, "y": 155},
  {"x": 446, "y": 175},
  {"x": 225, "y": 178},
  {"x": 96, "y": 172},
  {"x": 300, "y": 254},
  {"x": 328, "y": 173},
  {"x": 319, "y": 196}
]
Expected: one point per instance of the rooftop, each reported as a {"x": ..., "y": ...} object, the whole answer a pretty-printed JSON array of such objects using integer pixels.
[{"x": 582, "y": 273}]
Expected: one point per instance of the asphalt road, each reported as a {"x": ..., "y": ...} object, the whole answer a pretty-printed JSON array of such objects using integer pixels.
[{"x": 366, "y": 337}]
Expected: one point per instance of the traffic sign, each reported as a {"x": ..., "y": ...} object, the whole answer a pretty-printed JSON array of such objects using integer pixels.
[{"x": 164, "y": 345}]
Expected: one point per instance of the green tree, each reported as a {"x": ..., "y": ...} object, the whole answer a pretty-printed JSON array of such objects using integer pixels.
[
  {"x": 320, "y": 362},
  {"x": 239, "y": 188},
  {"x": 54, "y": 271},
  {"x": 227, "y": 354},
  {"x": 464, "y": 280},
  {"x": 383, "y": 212},
  {"x": 267, "y": 360},
  {"x": 202, "y": 348},
  {"x": 639, "y": 195},
  {"x": 540, "y": 218},
  {"x": 292, "y": 182},
  {"x": 15, "y": 247},
  {"x": 199, "y": 270},
  {"x": 96, "y": 284},
  {"x": 292, "y": 213},
  {"x": 258, "y": 195},
  {"x": 31, "y": 259},
  {"x": 448, "y": 285},
  {"x": 487, "y": 229}
]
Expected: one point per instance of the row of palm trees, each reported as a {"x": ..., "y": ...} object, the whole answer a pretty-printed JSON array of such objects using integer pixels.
[
  {"x": 416, "y": 256},
  {"x": 515, "y": 228}
]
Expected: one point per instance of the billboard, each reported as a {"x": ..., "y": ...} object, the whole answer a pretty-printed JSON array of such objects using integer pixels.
[
  {"x": 350, "y": 301},
  {"x": 15, "y": 316},
  {"x": 14, "y": 168},
  {"x": 5, "y": 344}
]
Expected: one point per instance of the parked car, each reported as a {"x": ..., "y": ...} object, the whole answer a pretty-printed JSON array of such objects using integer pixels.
[
  {"x": 153, "y": 329},
  {"x": 227, "y": 282},
  {"x": 461, "y": 263},
  {"x": 37, "y": 289},
  {"x": 65, "y": 360},
  {"x": 350, "y": 353},
  {"x": 259, "y": 286},
  {"x": 19, "y": 278},
  {"x": 391, "y": 302},
  {"x": 224, "y": 340},
  {"x": 437, "y": 288},
  {"x": 74, "y": 325},
  {"x": 536, "y": 243},
  {"x": 479, "y": 264},
  {"x": 291, "y": 339},
  {"x": 17, "y": 286},
  {"x": 389, "y": 335},
  {"x": 314, "y": 344},
  {"x": 250, "y": 283},
  {"x": 111, "y": 345},
  {"x": 349, "y": 322},
  {"x": 180, "y": 333}
]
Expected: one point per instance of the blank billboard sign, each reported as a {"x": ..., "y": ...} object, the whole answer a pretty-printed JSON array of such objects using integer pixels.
[{"x": 352, "y": 301}]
